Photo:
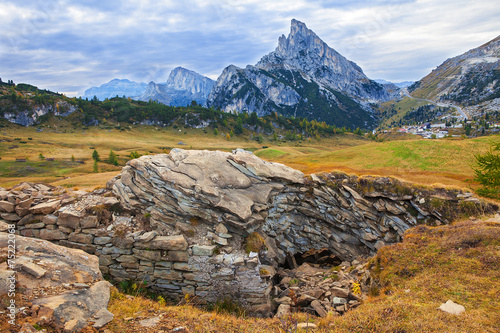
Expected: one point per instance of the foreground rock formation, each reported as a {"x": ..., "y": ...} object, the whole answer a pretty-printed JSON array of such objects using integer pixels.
[
  {"x": 64, "y": 287},
  {"x": 216, "y": 225}
]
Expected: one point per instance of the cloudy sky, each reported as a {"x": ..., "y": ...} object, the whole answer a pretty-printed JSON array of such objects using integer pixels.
[{"x": 69, "y": 45}]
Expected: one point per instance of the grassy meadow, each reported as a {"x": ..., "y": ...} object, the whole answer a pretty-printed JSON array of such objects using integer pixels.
[{"x": 445, "y": 162}]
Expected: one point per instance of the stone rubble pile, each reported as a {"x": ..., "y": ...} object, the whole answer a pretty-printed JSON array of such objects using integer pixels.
[{"x": 320, "y": 290}]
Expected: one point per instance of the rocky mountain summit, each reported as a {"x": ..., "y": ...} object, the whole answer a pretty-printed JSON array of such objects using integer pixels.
[
  {"x": 182, "y": 87},
  {"x": 471, "y": 79},
  {"x": 303, "y": 77}
]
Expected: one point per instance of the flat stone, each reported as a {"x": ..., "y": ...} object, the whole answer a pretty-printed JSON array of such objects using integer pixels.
[
  {"x": 38, "y": 225},
  {"x": 320, "y": 310},
  {"x": 221, "y": 229},
  {"x": 339, "y": 301},
  {"x": 203, "y": 250},
  {"x": 81, "y": 238},
  {"x": 52, "y": 234},
  {"x": 152, "y": 255},
  {"x": 103, "y": 316},
  {"x": 102, "y": 240},
  {"x": 24, "y": 204},
  {"x": 45, "y": 207},
  {"x": 151, "y": 322},
  {"x": 11, "y": 217},
  {"x": 452, "y": 307},
  {"x": 147, "y": 236},
  {"x": 7, "y": 207},
  {"x": 305, "y": 326},
  {"x": 32, "y": 269},
  {"x": 166, "y": 243}
]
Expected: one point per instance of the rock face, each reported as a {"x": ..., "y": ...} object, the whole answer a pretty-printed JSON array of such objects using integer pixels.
[
  {"x": 303, "y": 77},
  {"x": 470, "y": 79},
  {"x": 68, "y": 282},
  {"x": 31, "y": 116}
]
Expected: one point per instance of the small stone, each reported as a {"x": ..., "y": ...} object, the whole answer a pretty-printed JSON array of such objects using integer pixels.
[
  {"x": 103, "y": 317},
  {"x": 221, "y": 229},
  {"x": 452, "y": 307},
  {"x": 33, "y": 269},
  {"x": 203, "y": 250},
  {"x": 46, "y": 207},
  {"x": 306, "y": 326},
  {"x": 151, "y": 322},
  {"x": 283, "y": 311}
]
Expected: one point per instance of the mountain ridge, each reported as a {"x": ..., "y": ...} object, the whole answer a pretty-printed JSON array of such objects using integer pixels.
[{"x": 302, "y": 77}]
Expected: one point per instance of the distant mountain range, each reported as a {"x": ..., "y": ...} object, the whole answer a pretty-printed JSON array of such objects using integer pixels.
[
  {"x": 471, "y": 79},
  {"x": 403, "y": 84},
  {"x": 182, "y": 87},
  {"x": 304, "y": 77}
]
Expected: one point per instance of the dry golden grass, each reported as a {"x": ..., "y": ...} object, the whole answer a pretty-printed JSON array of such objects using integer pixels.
[{"x": 444, "y": 162}]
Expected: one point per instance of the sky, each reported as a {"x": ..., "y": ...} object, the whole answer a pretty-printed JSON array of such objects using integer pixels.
[{"x": 69, "y": 46}]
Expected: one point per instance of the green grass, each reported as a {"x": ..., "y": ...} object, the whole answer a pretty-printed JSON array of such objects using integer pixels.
[{"x": 270, "y": 153}]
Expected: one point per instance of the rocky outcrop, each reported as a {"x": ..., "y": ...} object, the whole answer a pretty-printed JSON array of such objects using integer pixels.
[
  {"x": 64, "y": 286},
  {"x": 303, "y": 77},
  {"x": 215, "y": 225}
]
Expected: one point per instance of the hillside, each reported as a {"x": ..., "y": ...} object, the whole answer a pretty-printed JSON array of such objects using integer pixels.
[{"x": 471, "y": 79}]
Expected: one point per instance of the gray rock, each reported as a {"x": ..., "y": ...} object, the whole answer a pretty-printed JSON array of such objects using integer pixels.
[
  {"x": 103, "y": 317},
  {"x": 150, "y": 322},
  {"x": 203, "y": 250},
  {"x": 284, "y": 310}
]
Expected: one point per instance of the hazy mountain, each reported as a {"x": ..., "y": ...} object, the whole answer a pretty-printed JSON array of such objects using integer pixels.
[
  {"x": 468, "y": 79},
  {"x": 303, "y": 77},
  {"x": 182, "y": 87},
  {"x": 402, "y": 84},
  {"x": 116, "y": 87}
]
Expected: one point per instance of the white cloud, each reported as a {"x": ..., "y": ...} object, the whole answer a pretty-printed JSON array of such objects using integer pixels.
[{"x": 94, "y": 40}]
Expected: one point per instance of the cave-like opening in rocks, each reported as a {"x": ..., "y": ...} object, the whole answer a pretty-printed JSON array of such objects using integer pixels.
[{"x": 319, "y": 258}]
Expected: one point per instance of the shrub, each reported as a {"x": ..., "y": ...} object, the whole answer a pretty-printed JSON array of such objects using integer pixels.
[{"x": 254, "y": 243}]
